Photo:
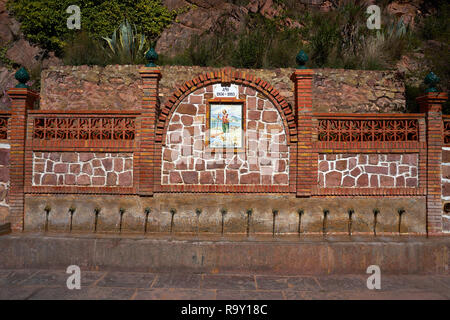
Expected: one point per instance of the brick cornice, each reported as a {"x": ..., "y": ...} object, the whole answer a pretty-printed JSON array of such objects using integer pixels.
[
  {"x": 302, "y": 73},
  {"x": 432, "y": 101},
  {"x": 23, "y": 94},
  {"x": 149, "y": 72}
]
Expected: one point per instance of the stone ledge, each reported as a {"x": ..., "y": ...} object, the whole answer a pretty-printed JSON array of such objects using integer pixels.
[
  {"x": 5, "y": 228},
  {"x": 264, "y": 255}
]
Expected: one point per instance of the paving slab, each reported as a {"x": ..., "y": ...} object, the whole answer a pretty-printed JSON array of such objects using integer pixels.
[
  {"x": 271, "y": 282},
  {"x": 127, "y": 280},
  {"x": 303, "y": 284},
  {"x": 51, "y": 285},
  {"x": 249, "y": 295},
  {"x": 177, "y": 280},
  {"x": 59, "y": 278},
  {"x": 17, "y": 293},
  {"x": 363, "y": 295},
  {"x": 228, "y": 282},
  {"x": 61, "y": 293},
  {"x": 335, "y": 283},
  {"x": 15, "y": 278},
  {"x": 175, "y": 294}
]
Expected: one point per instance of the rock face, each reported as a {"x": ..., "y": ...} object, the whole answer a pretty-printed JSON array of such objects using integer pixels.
[
  {"x": 120, "y": 87},
  {"x": 204, "y": 16},
  {"x": 405, "y": 10},
  {"x": 9, "y": 27},
  {"x": 210, "y": 15},
  {"x": 20, "y": 52},
  {"x": 6, "y": 81}
]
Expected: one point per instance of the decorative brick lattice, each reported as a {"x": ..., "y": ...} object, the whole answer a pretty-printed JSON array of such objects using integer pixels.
[
  {"x": 264, "y": 162},
  {"x": 368, "y": 170},
  {"x": 4, "y": 127},
  {"x": 82, "y": 169},
  {"x": 84, "y": 128},
  {"x": 368, "y": 130}
]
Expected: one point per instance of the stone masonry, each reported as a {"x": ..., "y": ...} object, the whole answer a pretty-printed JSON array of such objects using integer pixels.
[
  {"x": 266, "y": 158},
  {"x": 368, "y": 170},
  {"x": 82, "y": 169},
  {"x": 120, "y": 87}
]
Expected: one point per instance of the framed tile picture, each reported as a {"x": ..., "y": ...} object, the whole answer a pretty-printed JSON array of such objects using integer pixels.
[{"x": 225, "y": 125}]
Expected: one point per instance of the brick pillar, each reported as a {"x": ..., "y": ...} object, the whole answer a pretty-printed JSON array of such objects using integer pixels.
[
  {"x": 302, "y": 79},
  {"x": 150, "y": 103},
  {"x": 22, "y": 100},
  {"x": 431, "y": 105}
]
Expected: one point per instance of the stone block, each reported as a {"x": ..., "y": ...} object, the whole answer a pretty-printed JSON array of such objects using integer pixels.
[
  {"x": 333, "y": 179},
  {"x": 85, "y": 156},
  {"x": 69, "y": 157}
]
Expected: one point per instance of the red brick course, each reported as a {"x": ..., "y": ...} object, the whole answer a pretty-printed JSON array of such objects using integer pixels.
[{"x": 431, "y": 104}]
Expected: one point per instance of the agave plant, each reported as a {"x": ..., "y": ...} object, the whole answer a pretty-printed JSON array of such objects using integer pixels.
[
  {"x": 394, "y": 30},
  {"x": 126, "y": 45}
]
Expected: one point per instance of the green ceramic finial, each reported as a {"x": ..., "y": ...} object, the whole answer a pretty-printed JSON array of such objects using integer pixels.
[
  {"x": 431, "y": 80},
  {"x": 301, "y": 59},
  {"x": 151, "y": 57},
  {"x": 22, "y": 76}
]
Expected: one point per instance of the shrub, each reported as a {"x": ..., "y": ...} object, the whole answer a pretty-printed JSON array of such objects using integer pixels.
[
  {"x": 437, "y": 27},
  {"x": 126, "y": 46},
  {"x": 44, "y": 21},
  {"x": 84, "y": 50}
]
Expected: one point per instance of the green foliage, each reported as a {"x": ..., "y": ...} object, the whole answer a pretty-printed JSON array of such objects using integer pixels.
[
  {"x": 4, "y": 60},
  {"x": 44, "y": 21},
  {"x": 411, "y": 93},
  {"x": 323, "y": 41},
  {"x": 84, "y": 50},
  {"x": 126, "y": 46},
  {"x": 437, "y": 27},
  {"x": 262, "y": 44},
  {"x": 251, "y": 50}
]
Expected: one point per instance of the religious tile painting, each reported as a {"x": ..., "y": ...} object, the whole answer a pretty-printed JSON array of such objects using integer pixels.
[{"x": 226, "y": 125}]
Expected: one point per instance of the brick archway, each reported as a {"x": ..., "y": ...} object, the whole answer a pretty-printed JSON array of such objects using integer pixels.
[{"x": 227, "y": 76}]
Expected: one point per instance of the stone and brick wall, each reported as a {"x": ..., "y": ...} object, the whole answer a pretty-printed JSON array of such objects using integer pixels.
[
  {"x": 120, "y": 87},
  {"x": 185, "y": 159},
  {"x": 4, "y": 183},
  {"x": 82, "y": 169},
  {"x": 283, "y": 167},
  {"x": 368, "y": 170}
]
